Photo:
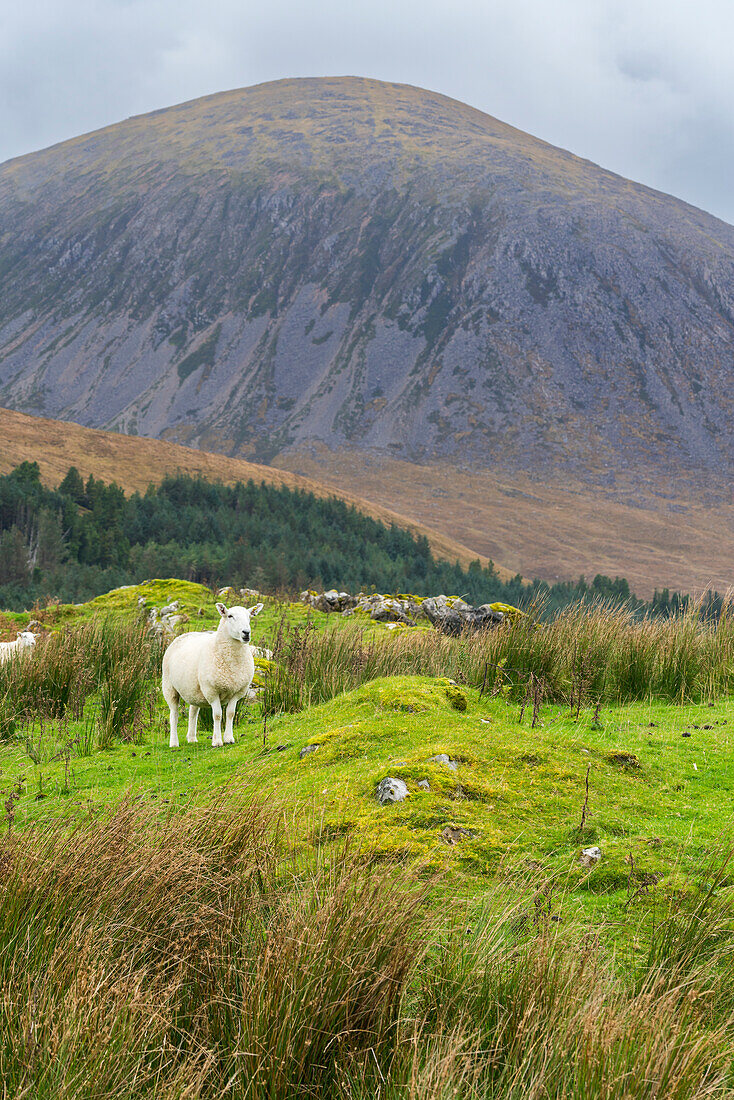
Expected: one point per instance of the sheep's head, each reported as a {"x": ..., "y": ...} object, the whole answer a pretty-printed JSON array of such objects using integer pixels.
[
  {"x": 26, "y": 639},
  {"x": 236, "y": 620}
]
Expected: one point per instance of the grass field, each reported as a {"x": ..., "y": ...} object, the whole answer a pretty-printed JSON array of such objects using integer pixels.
[
  {"x": 251, "y": 922},
  {"x": 660, "y": 780}
]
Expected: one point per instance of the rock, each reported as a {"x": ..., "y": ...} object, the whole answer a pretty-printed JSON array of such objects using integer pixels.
[
  {"x": 485, "y": 616},
  {"x": 250, "y": 593},
  {"x": 391, "y": 790},
  {"x": 226, "y": 592},
  {"x": 170, "y": 608},
  {"x": 442, "y": 758},
  {"x": 590, "y": 856},
  {"x": 451, "y": 615},
  {"x": 456, "y": 616},
  {"x": 424, "y": 784},
  {"x": 442, "y": 616},
  {"x": 386, "y": 609},
  {"x": 329, "y": 601},
  {"x": 307, "y": 750},
  {"x": 452, "y": 834}
]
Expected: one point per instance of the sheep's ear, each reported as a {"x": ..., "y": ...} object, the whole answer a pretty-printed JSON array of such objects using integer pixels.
[
  {"x": 256, "y": 609},
  {"x": 221, "y": 609}
]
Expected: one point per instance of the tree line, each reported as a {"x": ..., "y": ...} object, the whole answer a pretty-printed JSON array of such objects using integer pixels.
[{"x": 83, "y": 538}]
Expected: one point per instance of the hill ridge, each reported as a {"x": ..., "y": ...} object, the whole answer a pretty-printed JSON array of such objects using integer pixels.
[{"x": 134, "y": 462}]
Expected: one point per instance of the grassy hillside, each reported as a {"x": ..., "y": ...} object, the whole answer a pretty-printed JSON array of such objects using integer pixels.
[
  {"x": 660, "y": 776},
  {"x": 250, "y": 921},
  {"x": 641, "y": 527}
]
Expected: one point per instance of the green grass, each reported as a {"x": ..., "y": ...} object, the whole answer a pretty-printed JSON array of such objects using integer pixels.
[
  {"x": 518, "y": 791},
  {"x": 659, "y": 803}
]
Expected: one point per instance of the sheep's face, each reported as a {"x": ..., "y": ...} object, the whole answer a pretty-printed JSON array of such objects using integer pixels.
[
  {"x": 26, "y": 639},
  {"x": 236, "y": 620}
]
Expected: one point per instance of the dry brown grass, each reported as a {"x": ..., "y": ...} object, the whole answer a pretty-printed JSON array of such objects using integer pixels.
[
  {"x": 656, "y": 535},
  {"x": 192, "y": 956}
]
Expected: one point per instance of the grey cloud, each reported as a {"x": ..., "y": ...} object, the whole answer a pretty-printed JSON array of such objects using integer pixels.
[{"x": 643, "y": 87}]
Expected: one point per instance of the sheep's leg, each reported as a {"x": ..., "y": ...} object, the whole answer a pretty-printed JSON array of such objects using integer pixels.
[
  {"x": 229, "y": 728},
  {"x": 193, "y": 719},
  {"x": 217, "y": 716},
  {"x": 173, "y": 707}
]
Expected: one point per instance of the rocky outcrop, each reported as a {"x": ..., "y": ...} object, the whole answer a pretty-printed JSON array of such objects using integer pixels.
[
  {"x": 449, "y": 614},
  {"x": 391, "y": 790},
  {"x": 456, "y": 616}
]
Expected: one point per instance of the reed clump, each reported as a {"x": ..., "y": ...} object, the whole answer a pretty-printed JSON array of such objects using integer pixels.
[
  {"x": 587, "y": 653},
  {"x": 113, "y": 663},
  {"x": 193, "y": 956}
]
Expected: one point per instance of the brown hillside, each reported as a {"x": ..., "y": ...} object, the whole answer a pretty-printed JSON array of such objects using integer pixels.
[
  {"x": 135, "y": 462},
  {"x": 657, "y": 536}
]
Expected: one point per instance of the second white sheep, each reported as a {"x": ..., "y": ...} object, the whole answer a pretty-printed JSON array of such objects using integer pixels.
[{"x": 24, "y": 641}]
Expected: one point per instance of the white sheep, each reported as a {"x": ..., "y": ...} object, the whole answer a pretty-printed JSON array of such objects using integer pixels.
[
  {"x": 24, "y": 641},
  {"x": 212, "y": 668}
]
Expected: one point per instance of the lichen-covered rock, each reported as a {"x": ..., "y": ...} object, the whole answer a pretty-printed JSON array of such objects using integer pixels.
[
  {"x": 329, "y": 601},
  {"x": 454, "y": 616},
  {"x": 391, "y": 789},
  {"x": 450, "y": 614},
  {"x": 509, "y": 612},
  {"x": 443, "y": 758},
  {"x": 442, "y": 615},
  {"x": 307, "y": 750}
]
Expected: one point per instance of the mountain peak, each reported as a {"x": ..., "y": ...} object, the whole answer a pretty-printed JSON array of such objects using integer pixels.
[{"x": 366, "y": 265}]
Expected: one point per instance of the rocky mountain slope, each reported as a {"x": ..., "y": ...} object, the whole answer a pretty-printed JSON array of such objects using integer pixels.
[{"x": 372, "y": 266}]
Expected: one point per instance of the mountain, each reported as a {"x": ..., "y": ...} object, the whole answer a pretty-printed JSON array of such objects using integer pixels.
[
  {"x": 366, "y": 271},
  {"x": 134, "y": 463},
  {"x": 370, "y": 265}
]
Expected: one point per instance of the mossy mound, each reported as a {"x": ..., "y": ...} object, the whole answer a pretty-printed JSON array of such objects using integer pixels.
[
  {"x": 157, "y": 593},
  {"x": 415, "y": 697}
]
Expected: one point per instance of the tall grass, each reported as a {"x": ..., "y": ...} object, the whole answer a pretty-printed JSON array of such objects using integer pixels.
[
  {"x": 193, "y": 957},
  {"x": 110, "y": 661},
  {"x": 594, "y": 653}
]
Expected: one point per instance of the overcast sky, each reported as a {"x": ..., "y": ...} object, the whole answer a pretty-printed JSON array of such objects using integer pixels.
[{"x": 643, "y": 87}]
